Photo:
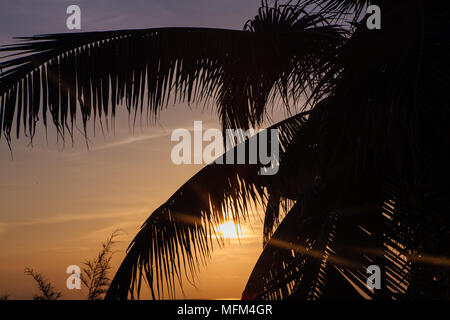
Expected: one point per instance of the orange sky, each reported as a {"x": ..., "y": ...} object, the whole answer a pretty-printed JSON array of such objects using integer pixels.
[{"x": 58, "y": 205}]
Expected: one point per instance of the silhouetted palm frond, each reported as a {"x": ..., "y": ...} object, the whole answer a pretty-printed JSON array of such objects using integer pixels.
[
  {"x": 340, "y": 8},
  {"x": 90, "y": 73},
  {"x": 177, "y": 236},
  {"x": 323, "y": 248},
  {"x": 369, "y": 173}
]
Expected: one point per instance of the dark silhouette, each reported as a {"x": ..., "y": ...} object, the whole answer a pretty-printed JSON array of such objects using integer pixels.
[
  {"x": 47, "y": 290},
  {"x": 364, "y": 169},
  {"x": 95, "y": 273}
]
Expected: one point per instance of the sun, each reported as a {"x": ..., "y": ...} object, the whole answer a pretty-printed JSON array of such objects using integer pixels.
[{"x": 229, "y": 230}]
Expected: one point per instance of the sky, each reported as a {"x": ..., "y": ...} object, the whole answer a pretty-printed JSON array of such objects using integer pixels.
[{"x": 58, "y": 202}]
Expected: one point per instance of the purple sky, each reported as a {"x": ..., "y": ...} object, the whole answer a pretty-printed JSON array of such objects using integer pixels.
[{"x": 25, "y": 17}]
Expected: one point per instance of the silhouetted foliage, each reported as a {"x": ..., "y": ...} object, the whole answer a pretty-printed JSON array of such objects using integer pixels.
[
  {"x": 95, "y": 274},
  {"x": 48, "y": 291}
]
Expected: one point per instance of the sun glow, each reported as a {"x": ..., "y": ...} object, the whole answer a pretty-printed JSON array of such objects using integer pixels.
[{"x": 229, "y": 230}]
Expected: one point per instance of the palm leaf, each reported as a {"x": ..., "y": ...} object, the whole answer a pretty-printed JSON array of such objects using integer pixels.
[
  {"x": 91, "y": 73},
  {"x": 176, "y": 238},
  {"x": 385, "y": 141},
  {"x": 326, "y": 242}
]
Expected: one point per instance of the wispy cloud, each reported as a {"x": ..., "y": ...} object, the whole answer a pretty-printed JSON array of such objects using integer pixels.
[
  {"x": 119, "y": 143},
  {"x": 100, "y": 234},
  {"x": 58, "y": 219}
]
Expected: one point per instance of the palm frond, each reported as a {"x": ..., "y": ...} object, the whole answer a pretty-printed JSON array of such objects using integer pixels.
[
  {"x": 383, "y": 119},
  {"x": 295, "y": 259},
  {"x": 91, "y": 73},
  {"x": 176, "y": 238},
  {"x": 319, "y": 252},
  {"x": 340, "y": 9}
]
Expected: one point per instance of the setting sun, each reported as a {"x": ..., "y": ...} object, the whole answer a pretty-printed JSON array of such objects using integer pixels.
[{"x": 229, "y": 230}]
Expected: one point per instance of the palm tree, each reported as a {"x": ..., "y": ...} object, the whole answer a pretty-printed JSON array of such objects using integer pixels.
[{"x": 363, "y": 168}]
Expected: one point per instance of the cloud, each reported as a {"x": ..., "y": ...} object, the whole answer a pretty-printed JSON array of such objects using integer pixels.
[
  {"x": 61, "y": 219},
  {"x": 166, "y": 132},
  {"x": 102, "y": 233},
  {"x": 119, "y": 143}
]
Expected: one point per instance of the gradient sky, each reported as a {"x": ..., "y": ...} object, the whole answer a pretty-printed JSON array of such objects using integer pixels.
[{"x": 59, "y": 202}]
